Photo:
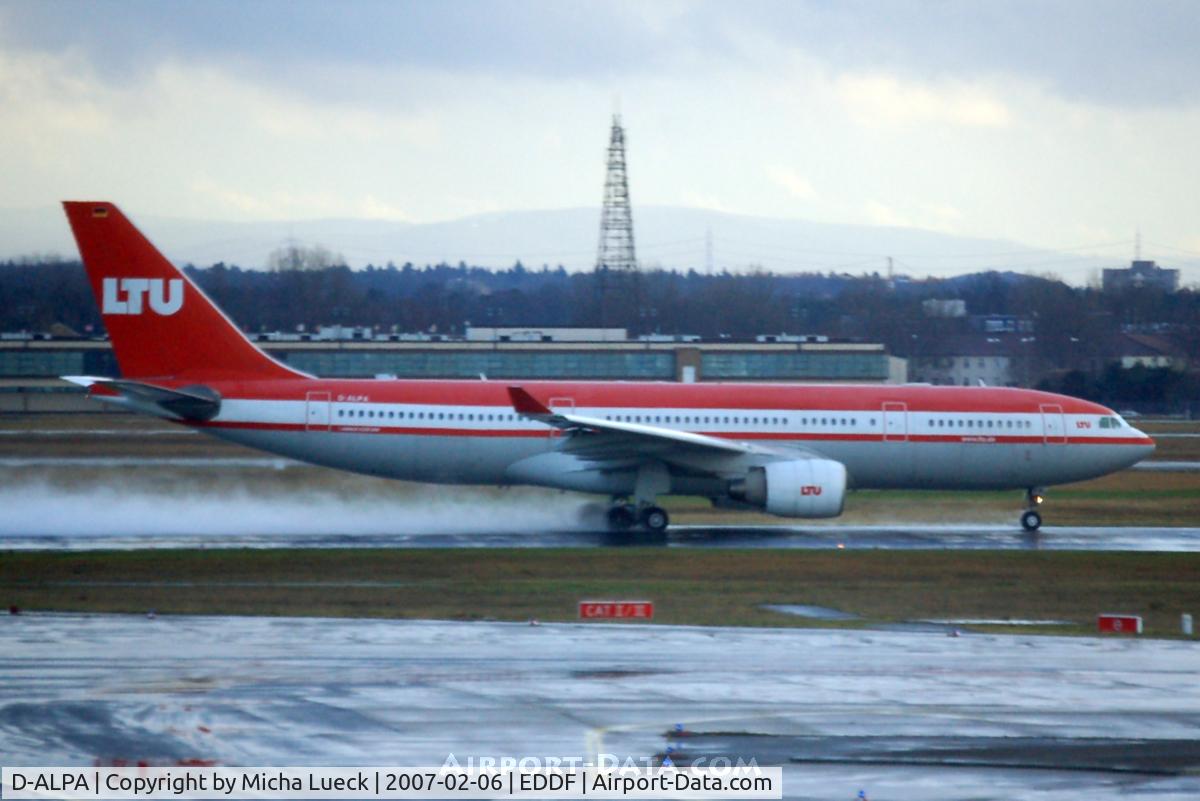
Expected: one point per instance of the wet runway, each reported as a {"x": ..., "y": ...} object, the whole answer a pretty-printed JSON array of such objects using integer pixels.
[
  {"x": 946, "y": 537},
  {"x": 902, "y": 715}
]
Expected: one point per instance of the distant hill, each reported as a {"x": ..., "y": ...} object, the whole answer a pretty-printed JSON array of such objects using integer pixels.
[{"x": 670, "y": 237}]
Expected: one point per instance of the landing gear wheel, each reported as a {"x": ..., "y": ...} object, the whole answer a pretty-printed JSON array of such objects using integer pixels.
[
  {"x": 621, "y": 518},
  {"x": 655, "y": 519},
  {"x": 1031, "y": 520}
]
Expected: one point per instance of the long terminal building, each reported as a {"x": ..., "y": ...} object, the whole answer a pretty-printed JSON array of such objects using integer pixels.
[{"x": 30, "y": 367}]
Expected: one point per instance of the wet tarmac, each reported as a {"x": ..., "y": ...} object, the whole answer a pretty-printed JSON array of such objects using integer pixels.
[
  {"x": 911, "y": 537},
  {"x": 901, "y": 715}
]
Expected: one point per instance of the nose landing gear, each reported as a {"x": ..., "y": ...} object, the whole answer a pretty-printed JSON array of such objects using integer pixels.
[{"x": 1031, "y": 518}]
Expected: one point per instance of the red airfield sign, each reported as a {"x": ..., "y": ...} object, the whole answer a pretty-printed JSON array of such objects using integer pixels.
[{"x": 611, "y": 610}]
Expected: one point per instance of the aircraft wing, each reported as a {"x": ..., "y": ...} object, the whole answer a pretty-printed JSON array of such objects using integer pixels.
[
  {"x": 598, "y": 440},
  {"x": 189, "y": 403}
]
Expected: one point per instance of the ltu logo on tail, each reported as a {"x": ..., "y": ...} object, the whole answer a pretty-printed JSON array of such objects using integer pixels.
[{"x": 124, "y": 295}]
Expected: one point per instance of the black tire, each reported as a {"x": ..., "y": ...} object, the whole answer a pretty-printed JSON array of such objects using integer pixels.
[
  {"x": 656, "y": 519},
  {"x": 1031, "y": 520},
  {"x": 621, "y": 518}
]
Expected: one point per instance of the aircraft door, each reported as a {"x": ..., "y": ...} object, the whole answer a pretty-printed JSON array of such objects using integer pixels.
[
  {"x": 1053, "y": 428},
  {"x": 316, "y": 411},
  {"x": 895, "y": 421},
  {"x": 896, "y": 463},
  {"x": 562, "y": 406}
]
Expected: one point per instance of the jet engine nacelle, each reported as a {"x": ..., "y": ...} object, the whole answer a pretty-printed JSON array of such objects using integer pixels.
[{"x": 797, "y": 488}]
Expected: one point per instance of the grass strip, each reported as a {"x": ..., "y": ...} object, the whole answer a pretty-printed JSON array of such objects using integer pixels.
[{"x": 695, "y": 587}]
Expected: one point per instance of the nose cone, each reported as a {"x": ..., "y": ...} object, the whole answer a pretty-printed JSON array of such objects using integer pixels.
[{"x": 1142, "y": 449}]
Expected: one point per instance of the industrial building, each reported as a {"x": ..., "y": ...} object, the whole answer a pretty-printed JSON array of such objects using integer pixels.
[{"x": 1141, "y": 273}]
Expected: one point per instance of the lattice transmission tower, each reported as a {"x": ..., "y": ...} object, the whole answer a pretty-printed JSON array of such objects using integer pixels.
[
  {"x": 616, "y": 251},
  {"x": 616, "y": 259}
]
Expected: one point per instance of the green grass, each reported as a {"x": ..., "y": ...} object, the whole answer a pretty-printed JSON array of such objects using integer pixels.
[{"x": 688, "y": 586}]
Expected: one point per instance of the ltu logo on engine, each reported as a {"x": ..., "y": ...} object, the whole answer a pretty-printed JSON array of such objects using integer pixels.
[
  {"x": 810, "y": 489},
  {"x": 124, "y": 295}
]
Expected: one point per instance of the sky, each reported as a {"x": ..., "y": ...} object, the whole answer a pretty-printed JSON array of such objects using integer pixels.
[{"x": 1061, "y": 125}]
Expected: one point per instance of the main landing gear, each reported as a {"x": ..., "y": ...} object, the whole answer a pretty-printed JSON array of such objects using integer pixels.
[
  {"x": 1031, "y": 518},
  {"x": 624, "y": 516},
  {"x": 653, "y": 480}
]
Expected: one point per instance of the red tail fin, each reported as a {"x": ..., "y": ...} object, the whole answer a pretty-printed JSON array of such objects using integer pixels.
[{"x": 160, "y": 323}]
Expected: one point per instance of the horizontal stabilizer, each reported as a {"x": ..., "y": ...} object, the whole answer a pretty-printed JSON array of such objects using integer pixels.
[{"x": 197, "y": 403}]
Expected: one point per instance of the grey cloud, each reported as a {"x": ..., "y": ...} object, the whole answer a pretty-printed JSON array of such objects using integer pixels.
[
  {"x": 1108, "y": 52},
  {"x": 550, "y": 39},
  {"x": 1101, "y": 51}
]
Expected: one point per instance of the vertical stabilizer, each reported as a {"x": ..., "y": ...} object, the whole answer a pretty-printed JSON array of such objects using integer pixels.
[{"x": 160, "y": 323}]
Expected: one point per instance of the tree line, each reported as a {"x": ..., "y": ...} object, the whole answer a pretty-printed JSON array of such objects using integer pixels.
[{"x": 1072, "y": 326}]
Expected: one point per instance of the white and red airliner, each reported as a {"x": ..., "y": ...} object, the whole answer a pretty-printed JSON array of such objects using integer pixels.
[{"x": 792, "y": 450}]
